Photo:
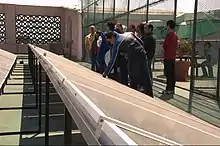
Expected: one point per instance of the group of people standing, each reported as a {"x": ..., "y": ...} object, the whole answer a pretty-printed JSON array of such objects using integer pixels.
[{"x": 132, "y": 53}]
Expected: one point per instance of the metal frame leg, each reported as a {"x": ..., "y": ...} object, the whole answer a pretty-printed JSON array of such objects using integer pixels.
[
  {"x": 40, "y": 97},
  {"x": 36, "y": 81},
  {"x": 30, "y": 57},
  {"x": 68, "y": 127},
  {"x": 47, "y": 111}
]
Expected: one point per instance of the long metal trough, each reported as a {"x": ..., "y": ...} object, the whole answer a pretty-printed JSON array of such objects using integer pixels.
[
  {"x": 7, "y": 62},
  {"x": 107, "y": 112}
]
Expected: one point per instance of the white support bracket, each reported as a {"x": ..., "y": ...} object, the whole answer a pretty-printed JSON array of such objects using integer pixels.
[
  {"x": 141, "y": 131},
  {"x": 99, "y": 127}
]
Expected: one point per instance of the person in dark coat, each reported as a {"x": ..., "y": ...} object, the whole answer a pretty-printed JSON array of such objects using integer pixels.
[
  {"x": 149, "y": 41},
  {"x": 140, "y": 29},
  {"x": 95, "y": 50},
  {"x": 129, "y": 46},
  {"x": 119, "y": 28}
]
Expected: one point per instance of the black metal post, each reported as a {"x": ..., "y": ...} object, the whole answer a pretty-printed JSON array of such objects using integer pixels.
[
  {"x": 103, "y": 13},
  {"x": 47, "y": 111},
  {"x": 30, "y": 61},
  {"x": 68, "y": 127},
  {"x": 113, "y": 9},
  {"x": 36, "y": 81},
  {"x": 33, "y": 70},
  {"x": 94, "y": 12},
  {"x": 175, "y": 10},
  {"x": 87, "y": 18},
  {"x": 218, "y": 78},
  {"x": 147, "y": 11},
  {"x": 29, "y": 56},
  {"x": 193, "y": 60},
  {"x": 83, "y": 23},
  {"x": 128, "y": 15},
  {"x": 40, "y": 97}
]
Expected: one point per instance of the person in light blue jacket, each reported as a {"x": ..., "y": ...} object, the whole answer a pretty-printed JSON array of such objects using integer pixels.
[{"x": 104, "y": 47}]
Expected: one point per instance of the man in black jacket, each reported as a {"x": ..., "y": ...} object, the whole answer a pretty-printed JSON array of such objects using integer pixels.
[
  {"x": 130, "y": 47},
  {"x": 149, "y": 42}
]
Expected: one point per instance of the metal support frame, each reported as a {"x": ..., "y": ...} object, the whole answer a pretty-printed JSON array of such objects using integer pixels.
[
  {"x": 68, "y": 127},
  {"x": 8, "y": 76},
  {"x": 40, "y": 97},
  {"x": 31, "y": 65},
  {"x": 5, "y": 83},
  {"x": 18, "y": 133},
  {"x": 47, "y": 111},
  {"x": 193, "y": 60},
  {"x": 36, "y": 81}
]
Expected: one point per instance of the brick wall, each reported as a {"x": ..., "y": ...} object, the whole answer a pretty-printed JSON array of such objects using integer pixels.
[{"x": 70, "y": 18}]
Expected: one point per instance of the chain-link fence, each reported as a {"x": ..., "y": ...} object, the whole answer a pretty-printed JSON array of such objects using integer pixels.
[
  {"x": 203, "y": 32},
  {"x": 207, "y": 48},
  {"x": 99, "y": 12}
]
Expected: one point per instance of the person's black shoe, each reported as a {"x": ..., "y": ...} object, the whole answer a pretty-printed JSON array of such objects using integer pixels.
[
  {"x": 166, "y": 92},
  {"x": 163, "y": 92},
  {"x": 204, "y": 76},
  {"x": 170, "y": 92}
]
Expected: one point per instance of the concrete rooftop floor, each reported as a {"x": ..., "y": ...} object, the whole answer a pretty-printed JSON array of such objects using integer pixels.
[{"x": 27, "y": 119}]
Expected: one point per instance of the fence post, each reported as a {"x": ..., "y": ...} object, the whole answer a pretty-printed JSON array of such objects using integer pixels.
[
  {"x": 83, "y": 39},
  {"x": 192, "y": 76},
  {"x": 175, "y": 10},
  {"x": 87, "y": 19},
  {"x": 147, "y": 11},
  {"x": 113, "y": 9},
  {"x": 218, "y": 77},
  {"x": 94, "y": 12},
  {"x": 103, "y": 13},
  {"x": 128, "y": 15}
]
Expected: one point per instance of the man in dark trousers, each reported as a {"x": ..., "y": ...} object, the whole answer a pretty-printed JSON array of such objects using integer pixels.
[
  {"x": 170, "y": 46},
  {"x": 129, "y": 46},
  {"x": 149, "y": 41},
  {"x": 95, "y": 50}
]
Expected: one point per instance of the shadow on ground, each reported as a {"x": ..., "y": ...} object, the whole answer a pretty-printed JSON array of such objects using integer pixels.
[
  {"x": 30, "y": 119},
  {"x": 205, "y": 108}
]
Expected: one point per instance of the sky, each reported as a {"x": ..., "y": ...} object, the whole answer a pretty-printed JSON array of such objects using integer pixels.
[
  {"x": 65, "y": 3},
  {"x": 183, "y": 5}
]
